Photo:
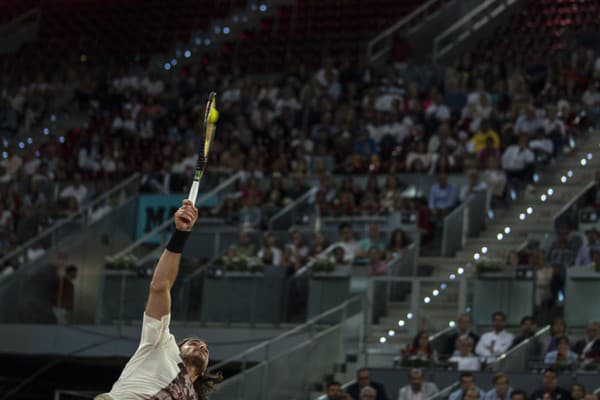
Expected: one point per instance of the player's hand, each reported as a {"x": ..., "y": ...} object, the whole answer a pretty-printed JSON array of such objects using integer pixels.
[{"x": 186, "y": 216}]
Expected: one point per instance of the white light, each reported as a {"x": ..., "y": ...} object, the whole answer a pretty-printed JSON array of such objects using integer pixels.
[
  {"x": 443, "y": 286},
  {"x": 187, "y": 54},
  {"x": 409, "y": 315},
  {"x": 583, "y": 162},
  {"x": 263, "y": 8},
  {"x": 589, "y": 156},
  {"x": 468, "y": 309},
  {"x": 46, "y": 131},
  {"x": 460, "y": 271},
  {"x": 174, "y": 62},
  {"x": 401, "y": 323},
  {"x": 513, "y": 194},
  {"x": 452, "y": 276},
  {"x": 451, "y": 324},
  {"x": 217, "y": 29},
  {"x": 522, "y": 216},
  {"x": 427, "y": 300},
  {"x": 484, "y": 250},
  {"x": 550, "y": 192},
  {"x": 507, "y": 229},
  {"x": 436, "y": 292},
  {"x": 536, "y": 178},
  {"x": 29, "y": 140},
  {"x": 21, "y": 145},
  {"x": 491, "y": 214},
  {"x": 167, "y": 66},
  {"x": 382, "y": 340},
  {"x": 500, "y": 236},
  {"x": 563, "y": 179},
  {"x": 53, "y": 118},
  {"x": 226, "y": 30},
  {"x": 570, "y": 174},
  {"x": 529, "y": 210},
  {"x": 476, "y": 256},
  {"x": 207, "y": 42},
  {"x": 543, "y": 197},
  {"x": 391, "y": 332},
  {"x": 4, "y": 154},
  {"x": 61, "y": 139}
]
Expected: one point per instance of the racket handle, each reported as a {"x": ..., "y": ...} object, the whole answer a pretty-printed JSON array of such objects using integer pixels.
[
  {"x": 193, "y": 196},
  {"x": 194, "y": 191}
]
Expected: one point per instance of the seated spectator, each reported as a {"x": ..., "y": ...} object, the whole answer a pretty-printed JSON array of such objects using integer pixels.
[
  {"x": 473, "y": 186},
  {"x": 398, "y": 242},
  {"x": 368, "y": 393},
  {"x": 517, "y": 160},
  {"x": 550, "y": 386},
  {"x": 588, "y": 348},
  {"x": 496, "y": 342},
  {"x": 501, "y": 390},
  {"x": 443, "y": 138},
  {"x": 391, "y": 189},
  {"x": 558, "y": 329},
  {"x": 363, "y": 379},
  {"x": 334, "y": 391},
  {"x": 463, "y": 328},
  {"x": 528, "y": 328},
  {"x": 591, "y": 396},
  {"x": 420, "y": 349},
  {"x": 442, "y": 195},
  {"x": 464, "y": 357},
  {"x": 488, "y": 152},
  {"x": 339, "y": 256},
  {"x": 418, "y": 160},
  {"x": 562, "y": 252},
  {"x": 270, "y": 254},
  {"x": 543, "y": 279},
  {"x": 518, "y": 395},
  {"x": 584, "y": 257},
  {"x": 513, "y": 259},
  {"x": 76, "y": 190},
  {"x": 250, "y": 213},
  {"x": 528, "y": 122},
  {"x": 298, "y": 250},
  {"x": 577, "y": 392},
  {"x": 347, "y": 243},
  {"x": 542, "y": 146},
  {"x": 417, "y": 388},
  {"x": 376, "y": 265},
  {"x": 466, "y": 382},
  {"x": 471, "y": 394},
  {"x": 373, "y": 240},
  {"x": 554, "y": 128},
  {"x": 481, "y": 139},
  {"x": 319, "y": 244},
  {"x": 495, "y": 177}
]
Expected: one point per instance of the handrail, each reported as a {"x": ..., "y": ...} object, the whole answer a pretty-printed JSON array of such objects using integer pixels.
[
  {"x": 168, "y": 223},
  {"x": 574, "y": 199},
  {"x": 445, "y": 392},
  {"x": 461, "y": 208},
  {"x": 284, "y": 335},
  {"x": 508, "y": 353},
  {"x": 82, "y": 212},
  {"x": 290, "y": 206},
  {"x": 397, "y": 26}
]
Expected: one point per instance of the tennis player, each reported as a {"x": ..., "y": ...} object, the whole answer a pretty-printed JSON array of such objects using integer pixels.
[{"x": 161, "y": 369}]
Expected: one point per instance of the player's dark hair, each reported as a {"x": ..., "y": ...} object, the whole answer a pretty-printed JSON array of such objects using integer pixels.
[
  {"x": 204, "y": 384},
  {"x": 499, "y": 314}
]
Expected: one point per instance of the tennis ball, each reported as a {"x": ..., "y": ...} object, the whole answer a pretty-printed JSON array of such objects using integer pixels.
[{"x": 213, "y": 116}]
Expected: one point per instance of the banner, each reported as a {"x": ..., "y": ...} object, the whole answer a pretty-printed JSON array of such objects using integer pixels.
[{"x": 154, "y": 209}]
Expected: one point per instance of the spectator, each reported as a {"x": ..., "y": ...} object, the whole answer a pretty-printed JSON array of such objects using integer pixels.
[
  {"x": 528, "y": 327},
  {"x": 347, "y": 243},
  {"x": 543, "y": 280},
  {"x": 501, "y": 390},
  {"x": 558, "y": 329},
  {"x": 487, "y": 152},
  {"x": 555, "y": 129},
  {"x": 270, "y": 253},
  {"x": 338, "y": 255},
  {"x": 466, "y": 382},
  {"x": 245, "y": 247},
  {"x": 550, "y": 385},
  {"x": 528, "y": 122},
  {"x": 518, "y": 395},
  {"x": 562, "y": 252},
  {"x": 368, "y": 393},
  {"x": 76, "y": 190},
  {"x": 471, "y": 394},
  {"x": 418, "y": 160},
  {"x": 334, "y": 391},
  {"x": 251, "y": 213},
  {"x": 417, "y": 389},
  {"x": 463, "y": 328},
  {"x": 591, "y": 396},
  {"x": 588, "y": 348},
  {"x": 473, "y": 186},
  {"x": 496, "y": 342},
  {"x": 373, "y": 240},
  {"x": 442, "y": 195},
  {"x": 395, "y": 248},
  {"x": 577, "y": 392},
  {"x": 517, "y": 160},
  {"x": 464, "y": 357},
  {"x": 443, "y": 138},
  {"x": 299, "y": 251},
  {"x": 376, "y": 265},
  {"x": 542, "y": 146},
  {"x": 584, "y": 257},
  {"x": 420, "y": 349},
  {"x": 562, "y": 355},
  {"x": 496, "y": 178},
  {"x": 363, "y": 379},
  {"x": 481, "y": 139},
  {"x": 64, "y": 295}
]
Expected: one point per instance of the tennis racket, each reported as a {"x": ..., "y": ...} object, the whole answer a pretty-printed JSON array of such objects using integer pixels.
[{"x": 208, "y": 132}]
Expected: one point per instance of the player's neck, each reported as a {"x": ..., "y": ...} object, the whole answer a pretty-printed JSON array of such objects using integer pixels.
[{"x": 192, "y": 372}]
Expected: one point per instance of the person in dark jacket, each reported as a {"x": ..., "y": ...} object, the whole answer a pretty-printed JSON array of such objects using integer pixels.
[
  {"x": 588, "y": 348},
  {"x": 550, "y": 385},
  {"x": 363, "y": 379},
  {"x": 463, "y": 327}
]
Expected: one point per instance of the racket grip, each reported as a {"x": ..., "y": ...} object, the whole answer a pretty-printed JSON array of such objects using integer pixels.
[{"x": 194, "y": 191}]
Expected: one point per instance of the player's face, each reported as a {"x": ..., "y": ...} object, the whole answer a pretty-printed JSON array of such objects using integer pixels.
[{"x": 196, "y": 348}]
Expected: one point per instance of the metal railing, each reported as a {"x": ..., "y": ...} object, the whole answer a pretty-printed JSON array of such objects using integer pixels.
[
  {"x": 454, "y": 230},
  {"x": 382, "y": 43},
  {"x": 516, "y": 358},
  {"x": 292, "y": 208},
  {"x": 467, "y": 25},
  {"x": 126, "y": 189},
  {"x": 316, "y": 347}
]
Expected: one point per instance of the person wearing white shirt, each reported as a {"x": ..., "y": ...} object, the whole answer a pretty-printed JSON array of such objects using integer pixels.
[
  {"x": 475, "y": 185},
  {"x": 270, "y": 249},
  {"x": 465, "y": 359},
  {"x": 417, "y": 389},
  {"x": 496, "y": 342},
  {"x": 76, "y": 190},
  {"x": 528, "y": 122},
  {"x": 517, "y": 158},
  {"x": 347, "y": 243}
]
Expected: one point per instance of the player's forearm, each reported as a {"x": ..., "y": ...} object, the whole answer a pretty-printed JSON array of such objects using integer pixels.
[{"x": 166, "y": 271}]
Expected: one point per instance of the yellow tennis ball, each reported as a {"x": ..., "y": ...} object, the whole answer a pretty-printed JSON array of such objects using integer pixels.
[{"x": 213, "y": 116}]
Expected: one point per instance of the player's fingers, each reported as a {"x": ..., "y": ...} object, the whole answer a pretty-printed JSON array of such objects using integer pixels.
[
  {"x": 187, "y": 203},
  {"x": 188, "y": 214}
]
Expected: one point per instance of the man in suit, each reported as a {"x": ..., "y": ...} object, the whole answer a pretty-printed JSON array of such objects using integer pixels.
[
  {"x": 588, "y": 348},
  {"x": 463, "y": 327},
  {"x": 363, "y": 379},
  {"x": 550, "y": 385},
  {"x": 417, "y": 389}
]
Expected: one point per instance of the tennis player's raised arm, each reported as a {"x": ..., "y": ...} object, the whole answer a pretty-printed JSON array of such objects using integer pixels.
[{"x": 159, "y": 299}]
